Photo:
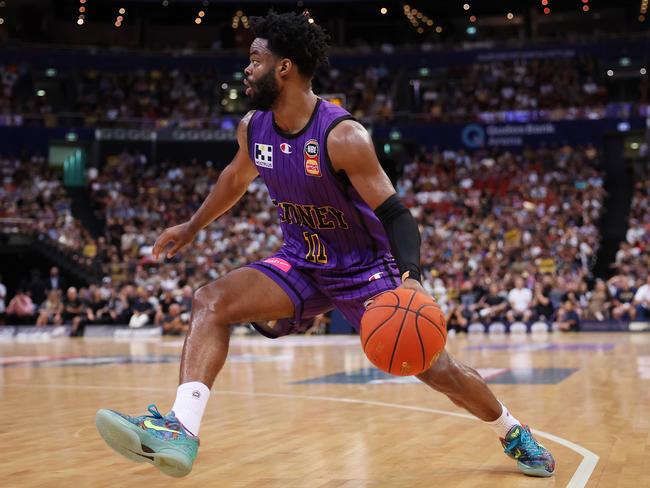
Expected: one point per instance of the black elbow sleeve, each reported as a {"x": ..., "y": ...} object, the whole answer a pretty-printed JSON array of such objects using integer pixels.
[{"x": 403, "y": 234}]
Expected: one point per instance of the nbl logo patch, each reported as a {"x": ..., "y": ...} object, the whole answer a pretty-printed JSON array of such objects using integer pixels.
[
  {"x": 312, "y": 159},
  {"x": 263, "y": 155}
]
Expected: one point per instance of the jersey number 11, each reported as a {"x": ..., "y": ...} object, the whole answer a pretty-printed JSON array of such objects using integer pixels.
[{"x": 315, "y": 248}]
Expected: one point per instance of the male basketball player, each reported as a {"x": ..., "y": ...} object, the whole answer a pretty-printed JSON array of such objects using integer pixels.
[{"x": 342, "y": 225}]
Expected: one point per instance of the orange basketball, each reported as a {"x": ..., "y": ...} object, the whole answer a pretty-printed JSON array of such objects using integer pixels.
[{"x": 403, "y": 332}]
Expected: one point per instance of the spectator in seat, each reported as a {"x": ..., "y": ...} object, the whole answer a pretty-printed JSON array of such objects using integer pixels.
[
  {"x": 519, "y": 299},
  {"x": 166, "y": 302},
  {"x": 600, "y": 303},
  {"x": 623, "y": 301},
  {"x": 54, "y": 281},
  {"x": 21, "y": 309},
  {"x": 493, "y": 305},
  {"x": 642, "y": 300},
  {"x": 74, "y": 311},
  {"x": 143, "y": 309},
  {"x": 101, "y": 311},
  {"x": 173, "y": 322},
  {"x": 541, "y": 304},
  {"x": 455, "y": 319},
  {"x": 50, "y": 310},
  {"x": 568, "y": 319}
]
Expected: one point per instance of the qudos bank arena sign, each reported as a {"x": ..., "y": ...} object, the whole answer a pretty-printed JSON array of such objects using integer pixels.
[{"x": 475, "y": 136}]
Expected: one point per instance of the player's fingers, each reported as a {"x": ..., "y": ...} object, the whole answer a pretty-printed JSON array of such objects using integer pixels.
[
  {"x": 177, "y": 247},
  {"x": 160, "y": 244}
]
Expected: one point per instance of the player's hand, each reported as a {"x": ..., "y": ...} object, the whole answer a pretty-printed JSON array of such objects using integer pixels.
[
  {"x": 411, "y": 284},
  {"x": 179, "y": 236}
]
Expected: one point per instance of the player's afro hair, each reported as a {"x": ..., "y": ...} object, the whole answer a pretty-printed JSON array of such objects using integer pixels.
[{"x": 290, "y": 35}]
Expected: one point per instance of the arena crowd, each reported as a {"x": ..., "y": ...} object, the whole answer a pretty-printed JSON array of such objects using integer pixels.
[{"x": 505, "y": 237}]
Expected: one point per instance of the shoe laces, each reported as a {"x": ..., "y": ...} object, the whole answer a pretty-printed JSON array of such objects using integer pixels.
[{"x": 153, "y": 410}]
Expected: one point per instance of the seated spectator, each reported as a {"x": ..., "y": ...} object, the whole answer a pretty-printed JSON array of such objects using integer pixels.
[
  {"x": 642, "y": 300},
  {"x": 600, "y": 303},
  {"x": 143, "y": 309},
  {"x": 623, "y": 301},
  {"x": 21, "y": 309},
  {"x": 493, "y": 306},
  {"x": 468, "y": 300},
  {"x": 568, "y": 319},
  {"x": 167, "y": 300},
  {"x": 519, "y": 299},
  {"x": 455, "y": 319},
  {"x": 50, "y": 310},
  {"x": 541, "y": 304},
  {"x": 75, "y": 312},
  {"x": 174, "y": 322},
  {"x": 101, "y": 309}
]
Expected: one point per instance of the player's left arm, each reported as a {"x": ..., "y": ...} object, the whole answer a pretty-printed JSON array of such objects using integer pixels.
[{"x": 351, "y": 150}]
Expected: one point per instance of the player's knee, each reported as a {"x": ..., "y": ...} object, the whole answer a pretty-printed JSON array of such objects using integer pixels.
[{"x": 213, "y": 297}]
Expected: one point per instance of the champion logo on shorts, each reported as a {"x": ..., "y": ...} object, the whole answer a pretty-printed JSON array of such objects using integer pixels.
[
  {"x": 279, "y": 263},
  {"x": 376, "y": 276}
]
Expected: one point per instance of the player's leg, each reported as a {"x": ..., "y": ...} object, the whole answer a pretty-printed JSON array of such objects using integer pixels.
[
  {"x": 170, "y": 442},
  {"x": 243, "y": 295},
  {"x": 462, "y": 384},
  {"x": 467, "y": 389}
]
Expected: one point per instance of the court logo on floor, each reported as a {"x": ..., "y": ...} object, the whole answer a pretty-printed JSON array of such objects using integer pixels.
[{"x": 500, "y": 376}]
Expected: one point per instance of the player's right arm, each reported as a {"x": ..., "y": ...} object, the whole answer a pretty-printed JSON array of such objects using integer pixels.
[{"x": 229, "y": 188}]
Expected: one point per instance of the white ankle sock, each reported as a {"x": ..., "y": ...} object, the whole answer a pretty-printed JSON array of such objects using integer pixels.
[
  {"x": 191, "y": 399},
  {"x": 504, "y": 423}
]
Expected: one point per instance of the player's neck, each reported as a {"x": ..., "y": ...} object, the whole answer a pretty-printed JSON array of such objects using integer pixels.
[{"x": 294, "y": 109}]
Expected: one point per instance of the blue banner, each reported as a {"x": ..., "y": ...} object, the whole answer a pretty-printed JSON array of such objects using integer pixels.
[{"x": 515, "y": 136}]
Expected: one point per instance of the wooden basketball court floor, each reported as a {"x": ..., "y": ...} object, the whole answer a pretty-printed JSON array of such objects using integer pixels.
[{"x": 309, "y": 412}]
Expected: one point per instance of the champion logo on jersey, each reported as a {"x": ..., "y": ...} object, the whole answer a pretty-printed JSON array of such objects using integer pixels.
[
  {"x": 312, "y": 161},
  {"x": 285, "y": 148},
  {"x": 264, "y": 155}
]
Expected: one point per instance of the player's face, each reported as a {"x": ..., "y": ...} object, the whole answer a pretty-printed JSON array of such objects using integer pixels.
[{"x": 261, "y": 82}]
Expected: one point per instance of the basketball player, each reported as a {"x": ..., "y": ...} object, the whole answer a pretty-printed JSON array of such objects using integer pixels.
[{"x": 342, "y": 225}]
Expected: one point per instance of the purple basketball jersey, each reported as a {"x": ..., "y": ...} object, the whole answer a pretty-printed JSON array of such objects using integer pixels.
[{"x": 326, "y": 224}]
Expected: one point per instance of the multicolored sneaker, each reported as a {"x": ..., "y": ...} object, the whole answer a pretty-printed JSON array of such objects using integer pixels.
[
  {"x": 532, "y": 458},
  {"x": 156, "y": 439}
]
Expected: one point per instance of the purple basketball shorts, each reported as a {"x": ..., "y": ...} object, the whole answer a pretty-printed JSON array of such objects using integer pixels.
[{"x": 314, "y": 292}]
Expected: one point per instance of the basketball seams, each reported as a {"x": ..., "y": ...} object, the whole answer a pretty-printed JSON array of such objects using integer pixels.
[
  {"x": 380, "y": 326},
  {"x": 399, "y": 332},
  {"x": 424, "y": 317},
  {"x": 417, "y": 329}
]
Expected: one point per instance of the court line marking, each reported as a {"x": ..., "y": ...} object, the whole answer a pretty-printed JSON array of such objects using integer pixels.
[{"x": 578, "y": 480}]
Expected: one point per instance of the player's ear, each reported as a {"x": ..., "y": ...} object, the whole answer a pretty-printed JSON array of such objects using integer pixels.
[{"x": 285, "y": 66}]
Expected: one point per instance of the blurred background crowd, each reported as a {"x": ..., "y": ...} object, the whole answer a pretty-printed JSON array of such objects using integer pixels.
[
  {"x": 505, "y": 237},
  {"x": 115, "y": 121}
]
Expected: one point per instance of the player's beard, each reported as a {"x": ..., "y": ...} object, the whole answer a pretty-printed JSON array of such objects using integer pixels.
[{"x": 265, "y": 91}]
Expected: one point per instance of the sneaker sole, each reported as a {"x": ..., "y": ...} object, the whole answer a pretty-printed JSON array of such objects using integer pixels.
[
  {"x": 537, "y": 472},
  {"x": 137, "y": 445}
]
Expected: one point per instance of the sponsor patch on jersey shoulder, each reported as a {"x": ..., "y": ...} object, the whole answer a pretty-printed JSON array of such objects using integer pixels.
[
  {"x": 263, "y": 155},
  {"x": 312, "y": 158},
  {"x": 285, "y": 148},
  {"x": 279, "y": 263}
]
